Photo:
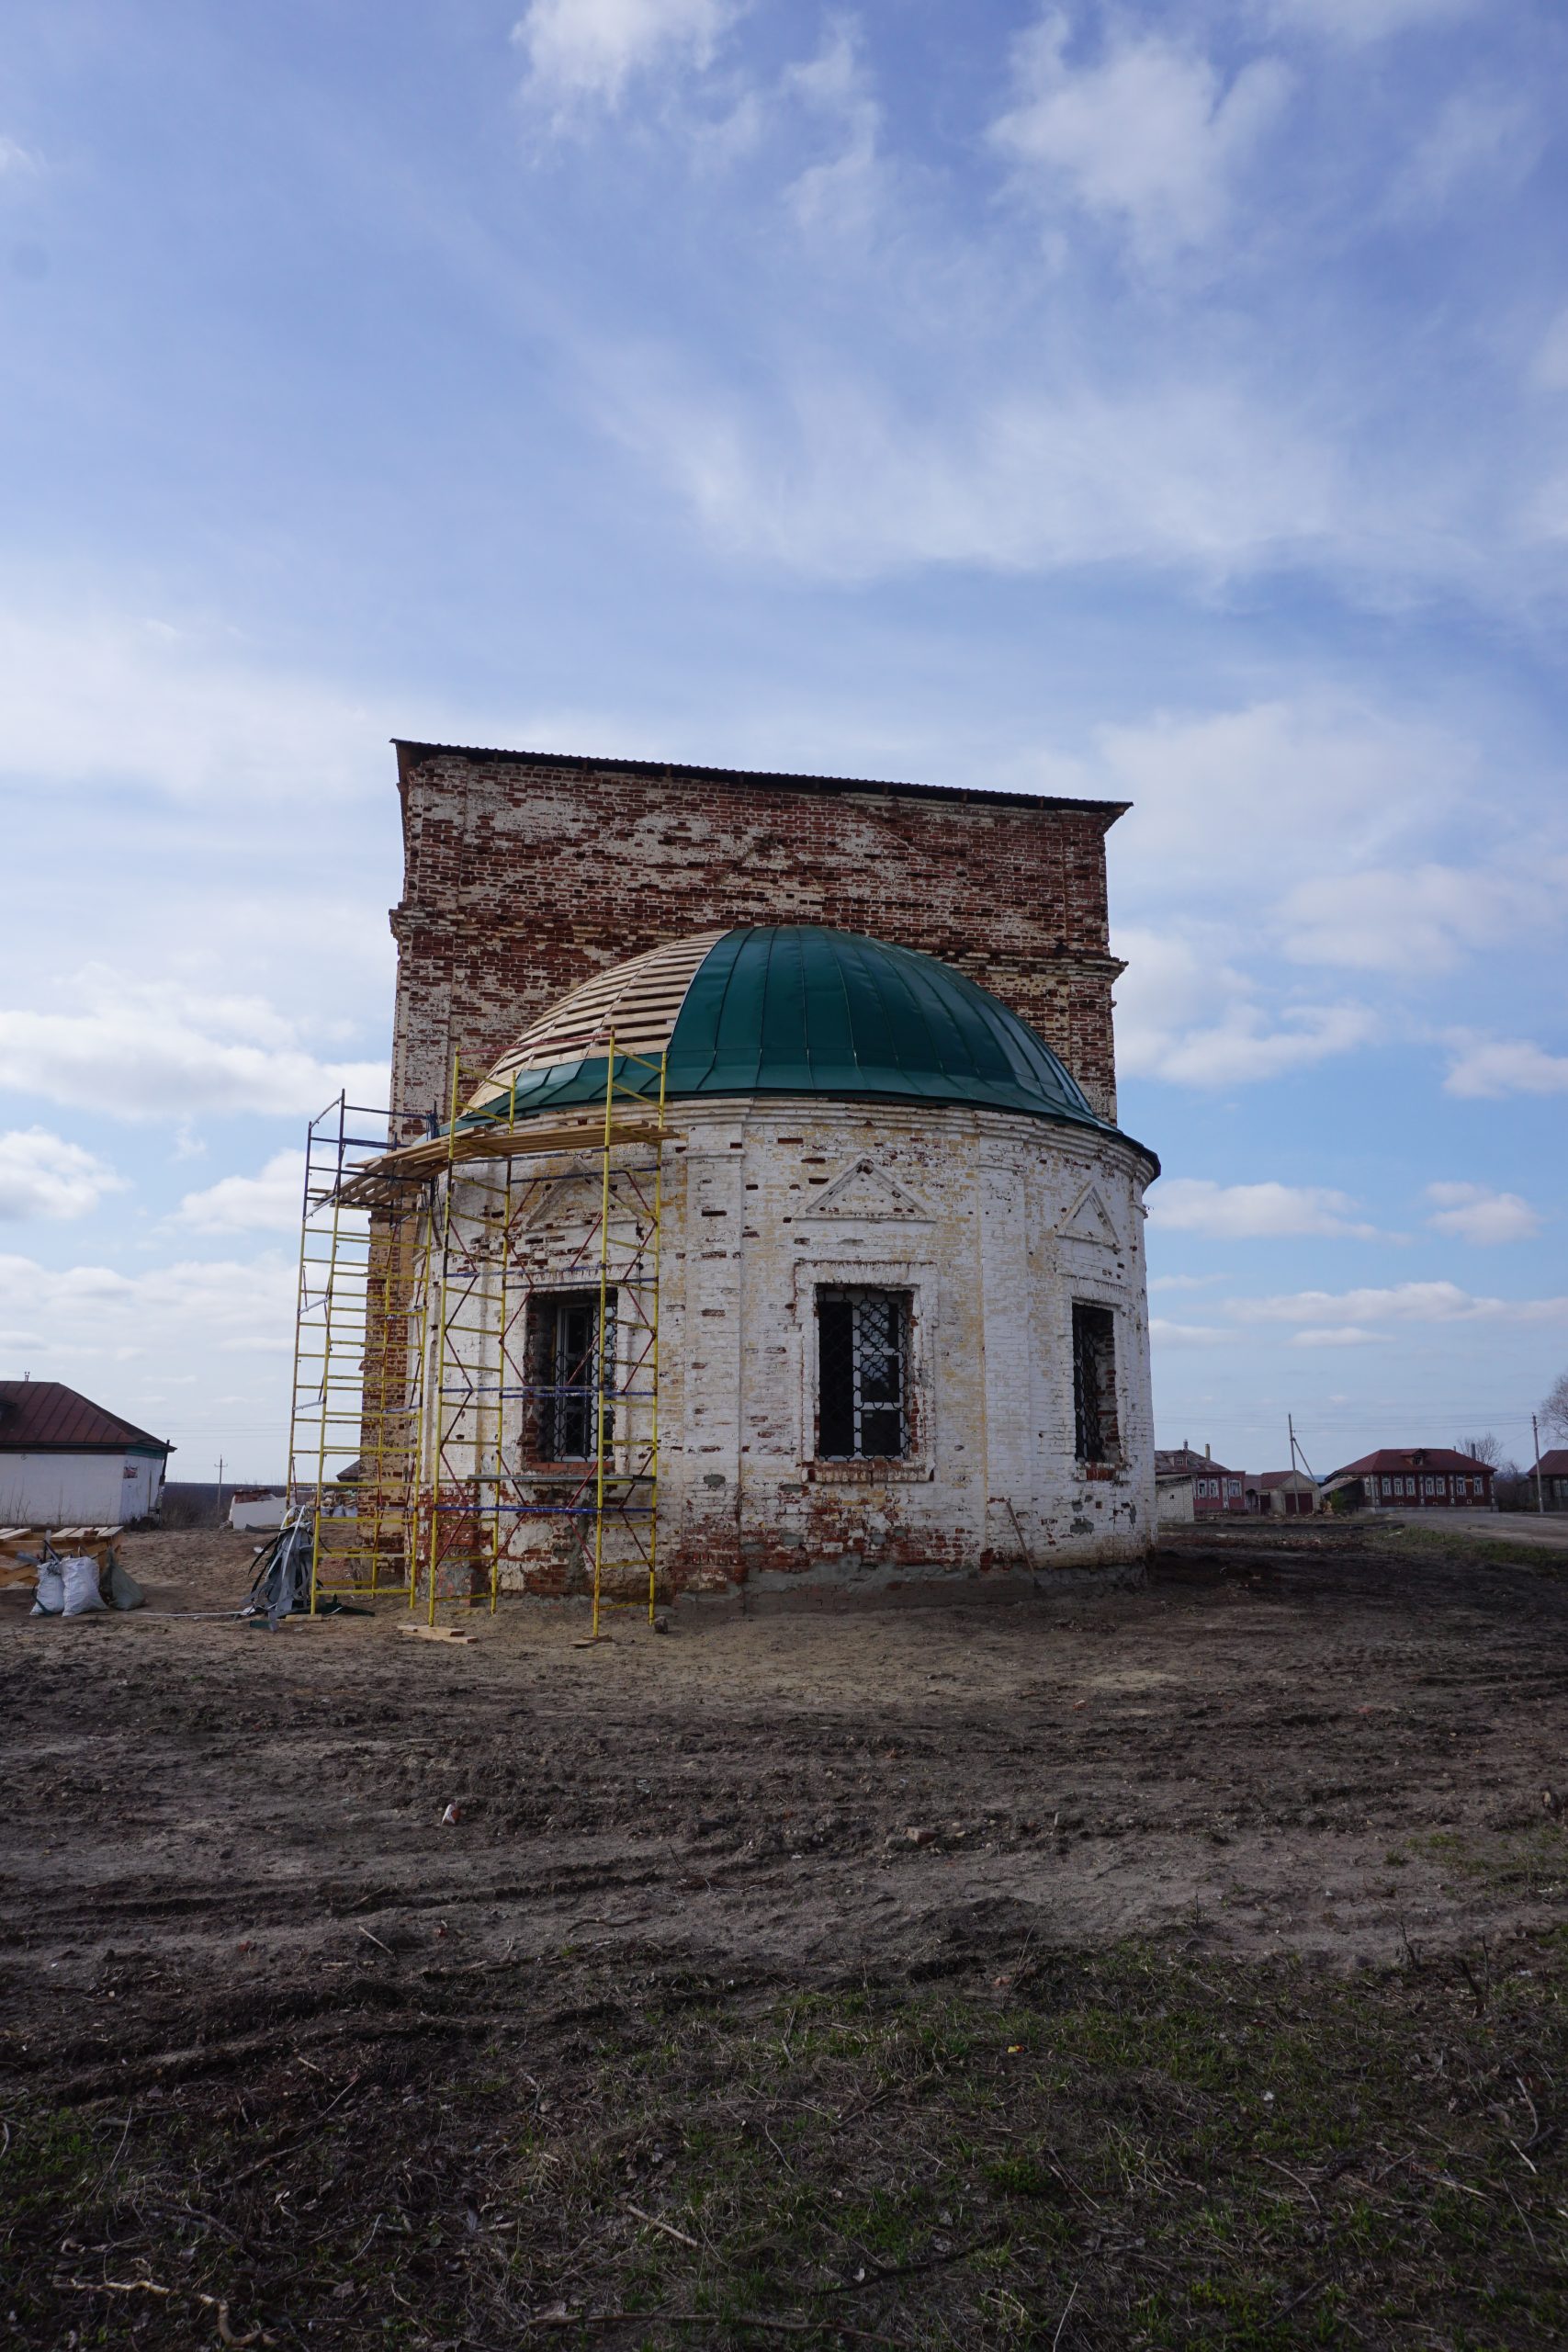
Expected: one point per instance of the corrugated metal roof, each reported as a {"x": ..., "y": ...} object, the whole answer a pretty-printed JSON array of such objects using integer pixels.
[
  {"x": 1411, "y": 1457},
  {"x": 1555, "y": 1461},
  {"x": 45, "y": 1417}
]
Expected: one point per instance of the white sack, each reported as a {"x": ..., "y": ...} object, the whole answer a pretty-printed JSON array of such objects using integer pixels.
[
  {"x": 80, "y": 1573},
  {"x": 51, "y": 1591}
]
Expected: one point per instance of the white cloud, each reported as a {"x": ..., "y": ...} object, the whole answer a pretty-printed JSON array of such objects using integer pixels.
[
  {"x": 1253, "y": 1212},
  {"x": 588, "y": 50},
  {"x": 844, "y": 482},
  {"x": 16, "y": 158},
  {"x": 1184, "y": 1016},
  {"x": 1355, "y": 791},
  {"x": 1549, "y": 370},
  {"x": 1402, "y": 1303},
  {"x": 1362, "y": 22},
  {"x": 1346, "y": 1335},
  {"x": 1212, "y": 793},
  {"x": 1419, "y": 917},
  {"x": 42, "y": 1175},
  {"x": 1244, "y": 1049},
  {"x": 135, "y": 1049},
  {"x": 962, "y": 405},
  {"x": 183, "y": 1312},
  {"x": 197, "y": 1352},
  {"x": 101, "y": 695},
  {"x": 1147, "y": 135},
  {"x": 841, "y": 193},
  {"x": 267, "y": 1203},
  {"x": 1188, "y": 1335},
  {"x": 1544, "y": 517},
  {"x": 1477, "y": 137},
  {"x": 1476, "y": 1214},
  {"x": 1184, "y": 1282},
  {"x": 1486, "y": 1068}
]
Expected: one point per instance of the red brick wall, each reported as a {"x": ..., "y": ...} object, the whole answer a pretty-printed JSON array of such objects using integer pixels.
[{"x": 526, "y": 873}]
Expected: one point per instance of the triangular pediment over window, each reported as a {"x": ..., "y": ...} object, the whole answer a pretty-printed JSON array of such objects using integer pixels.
[
  {"x": 864, "y": 1190},
  {"x": 1088, "y": 1219},
  {"x": 562, "y": 1200}
]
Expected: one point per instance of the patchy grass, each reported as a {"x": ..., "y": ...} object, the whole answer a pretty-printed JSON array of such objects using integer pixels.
[
  {"x": 1454, "y": 1547},
  {"x": 1121, "y": 2149},
  {"x": 1532, "y": 1861}
]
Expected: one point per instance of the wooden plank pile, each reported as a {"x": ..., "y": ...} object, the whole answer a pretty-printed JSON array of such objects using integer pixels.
[{"x": 20, "y": 1548}]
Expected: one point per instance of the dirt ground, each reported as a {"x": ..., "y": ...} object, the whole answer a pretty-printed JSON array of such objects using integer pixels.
[
  {"x": 226, "y": 1886},
  {"x": 1293, "y": 1744}
]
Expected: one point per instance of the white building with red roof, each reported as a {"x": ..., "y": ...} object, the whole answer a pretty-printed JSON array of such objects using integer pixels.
[{"x": 65, "y": 1462}]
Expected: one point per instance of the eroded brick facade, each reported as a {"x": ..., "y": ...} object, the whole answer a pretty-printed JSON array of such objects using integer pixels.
[{"x": 527, "y": 873}]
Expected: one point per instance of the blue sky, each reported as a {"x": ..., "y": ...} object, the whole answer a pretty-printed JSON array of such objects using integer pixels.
[{"x": 1170, "y": 404}]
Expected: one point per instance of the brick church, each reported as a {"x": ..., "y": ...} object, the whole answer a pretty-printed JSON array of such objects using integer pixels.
[{"x": 903, "y": 1322}]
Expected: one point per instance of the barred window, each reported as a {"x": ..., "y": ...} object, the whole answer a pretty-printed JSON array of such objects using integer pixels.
[
  {"x": 1094, "y": 1385},
  {"x": 561, "y": 1421},
  {"x": 863, "y": 1343}
]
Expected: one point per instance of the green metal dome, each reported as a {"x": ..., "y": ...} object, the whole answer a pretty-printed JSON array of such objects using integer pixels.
[{"x": 788, "y": 1008}]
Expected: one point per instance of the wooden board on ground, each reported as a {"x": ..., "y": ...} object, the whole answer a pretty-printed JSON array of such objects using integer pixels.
[
  {"x": 435, "y": 1634},
  {"x": 19, "y": 1550}
]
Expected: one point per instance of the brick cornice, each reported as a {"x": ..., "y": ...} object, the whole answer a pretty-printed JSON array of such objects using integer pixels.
[{"x": 413, "y": 756}]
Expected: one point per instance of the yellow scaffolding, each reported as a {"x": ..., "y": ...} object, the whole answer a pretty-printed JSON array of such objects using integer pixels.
[
  {"x": 463, "y": 1432},
  {"x": 354, "y": 1413},
  {"x": 625, "y": 1481},
  {"x": 422, "y": 1278}
]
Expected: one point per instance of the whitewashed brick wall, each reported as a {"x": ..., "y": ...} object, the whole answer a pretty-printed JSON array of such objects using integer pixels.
[{"x": 995, "y": 1223}]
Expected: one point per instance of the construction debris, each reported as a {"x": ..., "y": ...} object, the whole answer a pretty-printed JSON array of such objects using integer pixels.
[{"x": 72, "y": 1571}]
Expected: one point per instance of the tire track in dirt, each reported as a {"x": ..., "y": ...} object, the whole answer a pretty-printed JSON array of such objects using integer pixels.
[{"x": 1309, "y": 1746}]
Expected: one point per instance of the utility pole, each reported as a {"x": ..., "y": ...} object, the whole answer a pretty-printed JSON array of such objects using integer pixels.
[
  {"x": 1298, "y": 1458},
  {"x": 1535, "y": 1441},
  {"x": 221, "y": 1482}
]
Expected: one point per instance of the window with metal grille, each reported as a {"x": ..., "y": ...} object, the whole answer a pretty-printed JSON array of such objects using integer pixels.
[
  {"x": 862, "y": 1352},
  {"x": 1094, "y": 1385},
  {"x": 561, "y": 1421}
]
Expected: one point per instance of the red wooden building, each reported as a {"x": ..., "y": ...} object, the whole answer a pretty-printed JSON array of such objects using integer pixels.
[
  {"x": 1554, "y": 1469},
  {"x": 1214, "y": 1489},
  {"x": 1419, "y": 1477}
]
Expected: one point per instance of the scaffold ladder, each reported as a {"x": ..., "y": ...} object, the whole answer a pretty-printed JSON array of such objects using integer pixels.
[
  {"x": 475, "y": 1484},
  {"x": 625, "y": 1479},
  {"x": 354, "y": 1403}
]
